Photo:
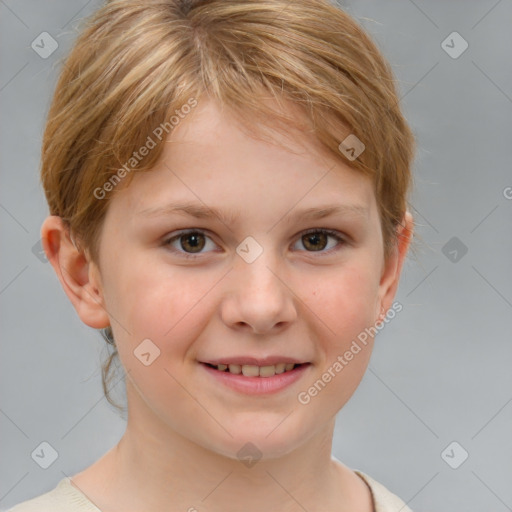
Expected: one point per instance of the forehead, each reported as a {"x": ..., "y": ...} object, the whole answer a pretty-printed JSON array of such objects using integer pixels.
[{"x": 214, "y": 161}]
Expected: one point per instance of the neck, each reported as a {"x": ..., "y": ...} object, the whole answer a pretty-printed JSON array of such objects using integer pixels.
[{"x": 155, "y": 468}]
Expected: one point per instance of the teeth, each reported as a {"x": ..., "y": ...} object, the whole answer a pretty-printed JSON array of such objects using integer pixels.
[
  {"x": 267, "y": 371},
  {"x": 280, "y": 368},
  {"x": 233, "y": 368},
  {"x": 249, "y": 370}
]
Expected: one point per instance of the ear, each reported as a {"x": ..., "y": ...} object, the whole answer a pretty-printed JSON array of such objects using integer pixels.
[
  {"x": 392, "y": 269},
  {"x": 80, "y": 278}
]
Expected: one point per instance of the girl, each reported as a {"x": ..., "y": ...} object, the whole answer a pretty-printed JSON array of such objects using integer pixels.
[{"x": 227, "y": 185}]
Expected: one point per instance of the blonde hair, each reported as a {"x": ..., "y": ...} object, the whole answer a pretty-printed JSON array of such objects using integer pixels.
[{"x": 137, "y": 64}]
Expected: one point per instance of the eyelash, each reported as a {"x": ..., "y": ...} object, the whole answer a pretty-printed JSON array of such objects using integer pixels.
[{"x": 187, "y": 255}]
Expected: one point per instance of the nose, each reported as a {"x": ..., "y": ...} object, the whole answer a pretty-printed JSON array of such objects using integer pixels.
[{"x": 257, "y": 298}]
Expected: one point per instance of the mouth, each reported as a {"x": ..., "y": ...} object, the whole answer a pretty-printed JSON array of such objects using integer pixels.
[
  {"x": 250, "y": 370},
  {"x": 244, "y": 375}
]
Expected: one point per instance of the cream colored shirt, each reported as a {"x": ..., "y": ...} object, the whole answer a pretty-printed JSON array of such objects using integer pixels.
[{"x": 65, "y": 497}]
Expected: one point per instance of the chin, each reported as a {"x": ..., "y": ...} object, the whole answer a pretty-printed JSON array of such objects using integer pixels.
[{"x": 259, "y": 441}]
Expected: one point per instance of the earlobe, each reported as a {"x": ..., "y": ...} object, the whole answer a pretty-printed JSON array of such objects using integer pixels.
[
  {"x": 392, "y": 270},
  {"x": 79, "y": 277}
]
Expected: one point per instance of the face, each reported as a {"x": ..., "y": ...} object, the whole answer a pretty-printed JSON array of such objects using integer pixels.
[{"x": 289, "y": 270}]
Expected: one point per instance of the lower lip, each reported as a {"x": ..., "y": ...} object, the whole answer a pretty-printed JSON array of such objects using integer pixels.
[{"x": 257, "y": 385}]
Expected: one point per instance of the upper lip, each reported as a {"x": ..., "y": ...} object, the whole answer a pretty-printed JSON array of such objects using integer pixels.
[{"x": 254, "y": 361}]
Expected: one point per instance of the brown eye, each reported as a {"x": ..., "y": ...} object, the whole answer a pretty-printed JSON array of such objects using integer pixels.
[
  {"x": 316, "y": 241},
  {"x": 322, "y": 241},
  {"x": 192, "y": 242}
]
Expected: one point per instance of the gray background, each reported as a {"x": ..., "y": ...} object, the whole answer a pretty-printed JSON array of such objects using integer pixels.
[{"x": 440, "y": 371}]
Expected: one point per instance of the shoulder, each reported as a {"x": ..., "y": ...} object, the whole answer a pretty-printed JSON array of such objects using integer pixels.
[
  {"x": 63, "y": 498},
  {"x": 384, "y": 500}
]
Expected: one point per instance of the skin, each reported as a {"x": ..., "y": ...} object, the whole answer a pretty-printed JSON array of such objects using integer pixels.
[{"x": 184, "y": 429}]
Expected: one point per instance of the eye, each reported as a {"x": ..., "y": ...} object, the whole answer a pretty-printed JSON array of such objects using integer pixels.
[
  {"x": 189, "y": 243},
  {"x": 317, "y": 240}
]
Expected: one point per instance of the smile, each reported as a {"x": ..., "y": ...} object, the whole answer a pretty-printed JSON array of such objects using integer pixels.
[
  {"x": 249, "y": 370},
  {"x": 252, "y": 379}
]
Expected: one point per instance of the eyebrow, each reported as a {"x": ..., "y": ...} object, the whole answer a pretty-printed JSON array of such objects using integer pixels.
[{"x": 200, "y": 211}]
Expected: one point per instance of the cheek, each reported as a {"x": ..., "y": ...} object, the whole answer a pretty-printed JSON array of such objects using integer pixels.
[
  {"x": 345, "y": 302},
  {"x": 167, "y": 306},
  {"x": 345, "y": 305},
  {"x": 171, "y": 310}
]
